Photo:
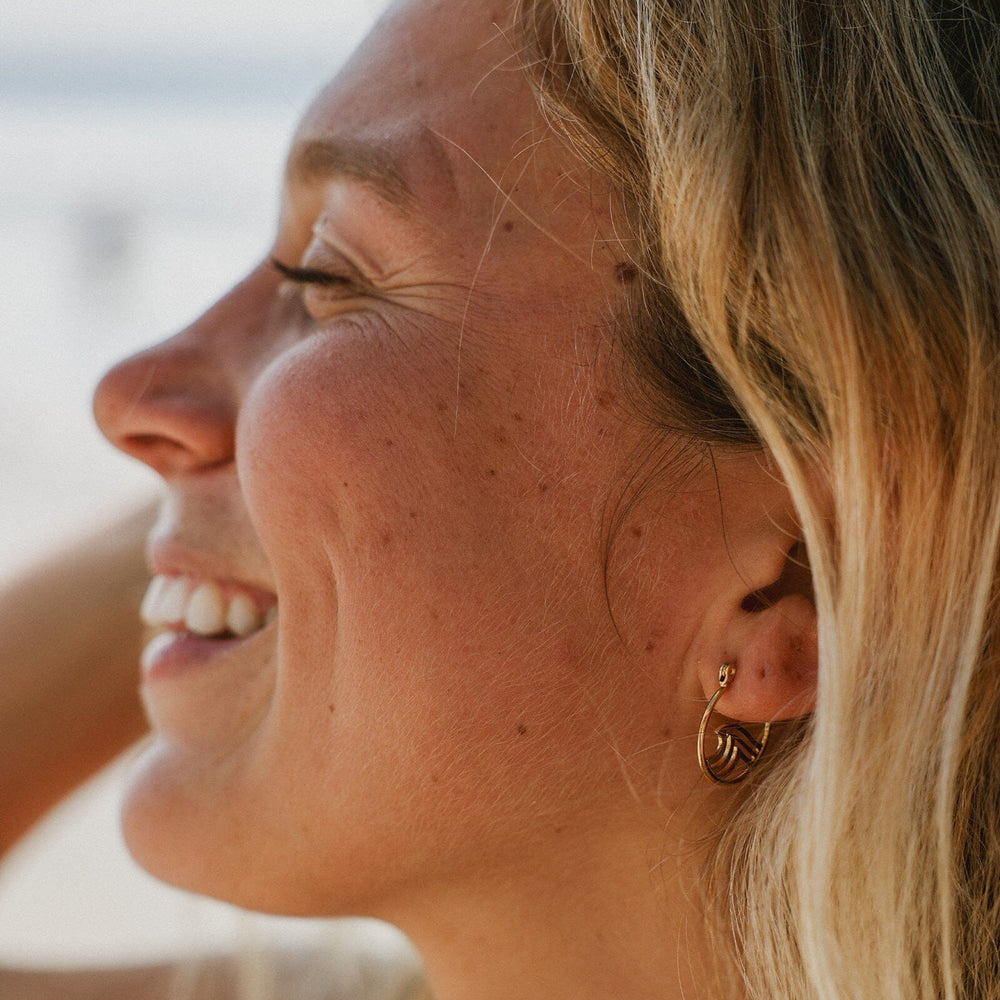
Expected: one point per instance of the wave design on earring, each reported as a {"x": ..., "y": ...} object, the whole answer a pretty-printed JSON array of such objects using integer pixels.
[{"x": 736, "y": 749}]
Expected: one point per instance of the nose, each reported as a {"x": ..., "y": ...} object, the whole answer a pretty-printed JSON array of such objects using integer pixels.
[
  {"x": 158, "y": 407},
  {"x": 174, "y": 405}
]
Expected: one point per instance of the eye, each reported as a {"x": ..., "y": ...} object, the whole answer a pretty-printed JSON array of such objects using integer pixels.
[
  {"x": 313, "y": 276},
  {"x": 322, "y": 291}
]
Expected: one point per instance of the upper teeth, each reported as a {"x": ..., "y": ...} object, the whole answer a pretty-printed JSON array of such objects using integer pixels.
[{"x": 202, "y": 607}]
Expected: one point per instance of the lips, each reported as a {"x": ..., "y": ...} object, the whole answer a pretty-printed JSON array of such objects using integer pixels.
[{"x": 206, "y": 608}]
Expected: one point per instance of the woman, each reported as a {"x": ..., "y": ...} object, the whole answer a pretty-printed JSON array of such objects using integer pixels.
[{"x": 581, "y": 529}]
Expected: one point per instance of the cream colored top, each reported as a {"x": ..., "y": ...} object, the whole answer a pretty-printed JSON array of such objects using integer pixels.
[{"x": 336, "y": 973}]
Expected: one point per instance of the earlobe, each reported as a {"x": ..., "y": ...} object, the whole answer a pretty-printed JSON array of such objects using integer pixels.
[{"x": 776, "y": 650}]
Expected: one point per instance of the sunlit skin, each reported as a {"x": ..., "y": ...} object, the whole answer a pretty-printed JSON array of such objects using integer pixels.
[{"x": 418, "y": 444}]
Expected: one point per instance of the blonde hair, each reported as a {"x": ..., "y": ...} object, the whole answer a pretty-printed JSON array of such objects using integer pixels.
[{"x": 815, "y": 189}]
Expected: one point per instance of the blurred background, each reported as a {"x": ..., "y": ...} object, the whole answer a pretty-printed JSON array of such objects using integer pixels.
[{"x": 141, "y": 144}]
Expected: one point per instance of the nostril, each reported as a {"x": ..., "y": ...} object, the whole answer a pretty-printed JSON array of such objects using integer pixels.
[
  {"x": 153, "y": 449},
  {"x": 141, "y": 441},
  {"x": 169, "y": 457},
  {"x": 177, "y": 435}
]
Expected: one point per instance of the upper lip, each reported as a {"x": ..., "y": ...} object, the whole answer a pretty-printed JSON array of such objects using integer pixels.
[{"x": 168, "y": 556}]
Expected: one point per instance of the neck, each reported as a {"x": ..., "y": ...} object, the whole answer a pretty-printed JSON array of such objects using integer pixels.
[{"x": 625, "y": 923}]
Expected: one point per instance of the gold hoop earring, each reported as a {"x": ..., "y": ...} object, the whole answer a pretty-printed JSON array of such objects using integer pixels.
[{"x": 736, "y": 749}]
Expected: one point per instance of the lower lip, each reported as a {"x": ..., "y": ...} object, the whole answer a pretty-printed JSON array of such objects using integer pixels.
[{"x": 174, "y": 654}]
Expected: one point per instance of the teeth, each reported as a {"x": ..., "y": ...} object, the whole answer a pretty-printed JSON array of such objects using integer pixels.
[
  {"x": 243, "y": 616},
  {"x": 206, "y": 610},
  {"x": 201, "y": 607},
  {"x": 151, "y": 602},
  {"x": 173, "y": 600}
]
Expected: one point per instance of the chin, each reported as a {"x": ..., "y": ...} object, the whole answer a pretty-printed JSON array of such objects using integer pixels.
[
  {"x": 203, "y": 829},
  {"x": 181, "y": 821}
]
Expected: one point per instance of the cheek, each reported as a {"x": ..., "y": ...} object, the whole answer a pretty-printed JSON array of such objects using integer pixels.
[
  {"x": 361, "y": 496},
  {"x": 423, "y": 574},
  {"x": 336, "y": 440},
  {"x": 359, "y": 453}
]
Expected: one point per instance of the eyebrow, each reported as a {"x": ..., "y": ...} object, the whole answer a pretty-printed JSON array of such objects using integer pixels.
[{"x": 370, "y": 164}]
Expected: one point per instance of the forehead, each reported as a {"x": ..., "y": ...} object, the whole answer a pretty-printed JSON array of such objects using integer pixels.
[{"x": 436, "y": 94}]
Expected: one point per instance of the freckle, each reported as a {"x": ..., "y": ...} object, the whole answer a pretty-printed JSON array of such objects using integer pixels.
[
  {"x": 543, "y": 487},
  {"x": 667, "y": 734},
  {"x": 386, "y": 538},
  {"x": 330, "y": 709},
  {"x": 762, "y": 673},
  {"x": 508, "y": 226},
  {"x": 435, "y": 779},
  {"x": 493, "y": 472},
  {"x": 442, "y": 406},
  {"x": 522, "y": 729},
  {"x": 345, "y": 486},
  {"x": 636, "y": 531},
  {"x": 413, "y": 514},
  {"x": 518, "y": 417},
  {"x": 560, "y": 829},
  {"x": 388, "y": 442},
  {"x": 605, "y": 399},
  {"x": 500, "y": 437},
  {"x": 435, "y": 616},
  {"x": 625, "y": 271},
  {"x": 650, "y": 646}
]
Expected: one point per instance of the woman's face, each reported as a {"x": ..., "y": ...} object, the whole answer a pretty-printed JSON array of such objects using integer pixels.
[{"x": 413, "y": 453}]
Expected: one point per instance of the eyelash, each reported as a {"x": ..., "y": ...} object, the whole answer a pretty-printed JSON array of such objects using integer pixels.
[{"x": 311, "y": 276}]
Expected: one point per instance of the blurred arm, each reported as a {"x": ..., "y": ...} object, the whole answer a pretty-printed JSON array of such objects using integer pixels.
[{"x": 70, "y": 639}]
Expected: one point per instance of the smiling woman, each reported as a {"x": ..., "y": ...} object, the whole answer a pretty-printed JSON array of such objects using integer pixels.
[{"x": 541, "y": 565}]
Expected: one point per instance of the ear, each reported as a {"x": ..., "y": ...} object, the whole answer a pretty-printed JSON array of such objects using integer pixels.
[{"x": 772, "y": 640}]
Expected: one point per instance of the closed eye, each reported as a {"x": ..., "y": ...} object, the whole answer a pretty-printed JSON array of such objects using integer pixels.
[{"x": 312, "y": 276}]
